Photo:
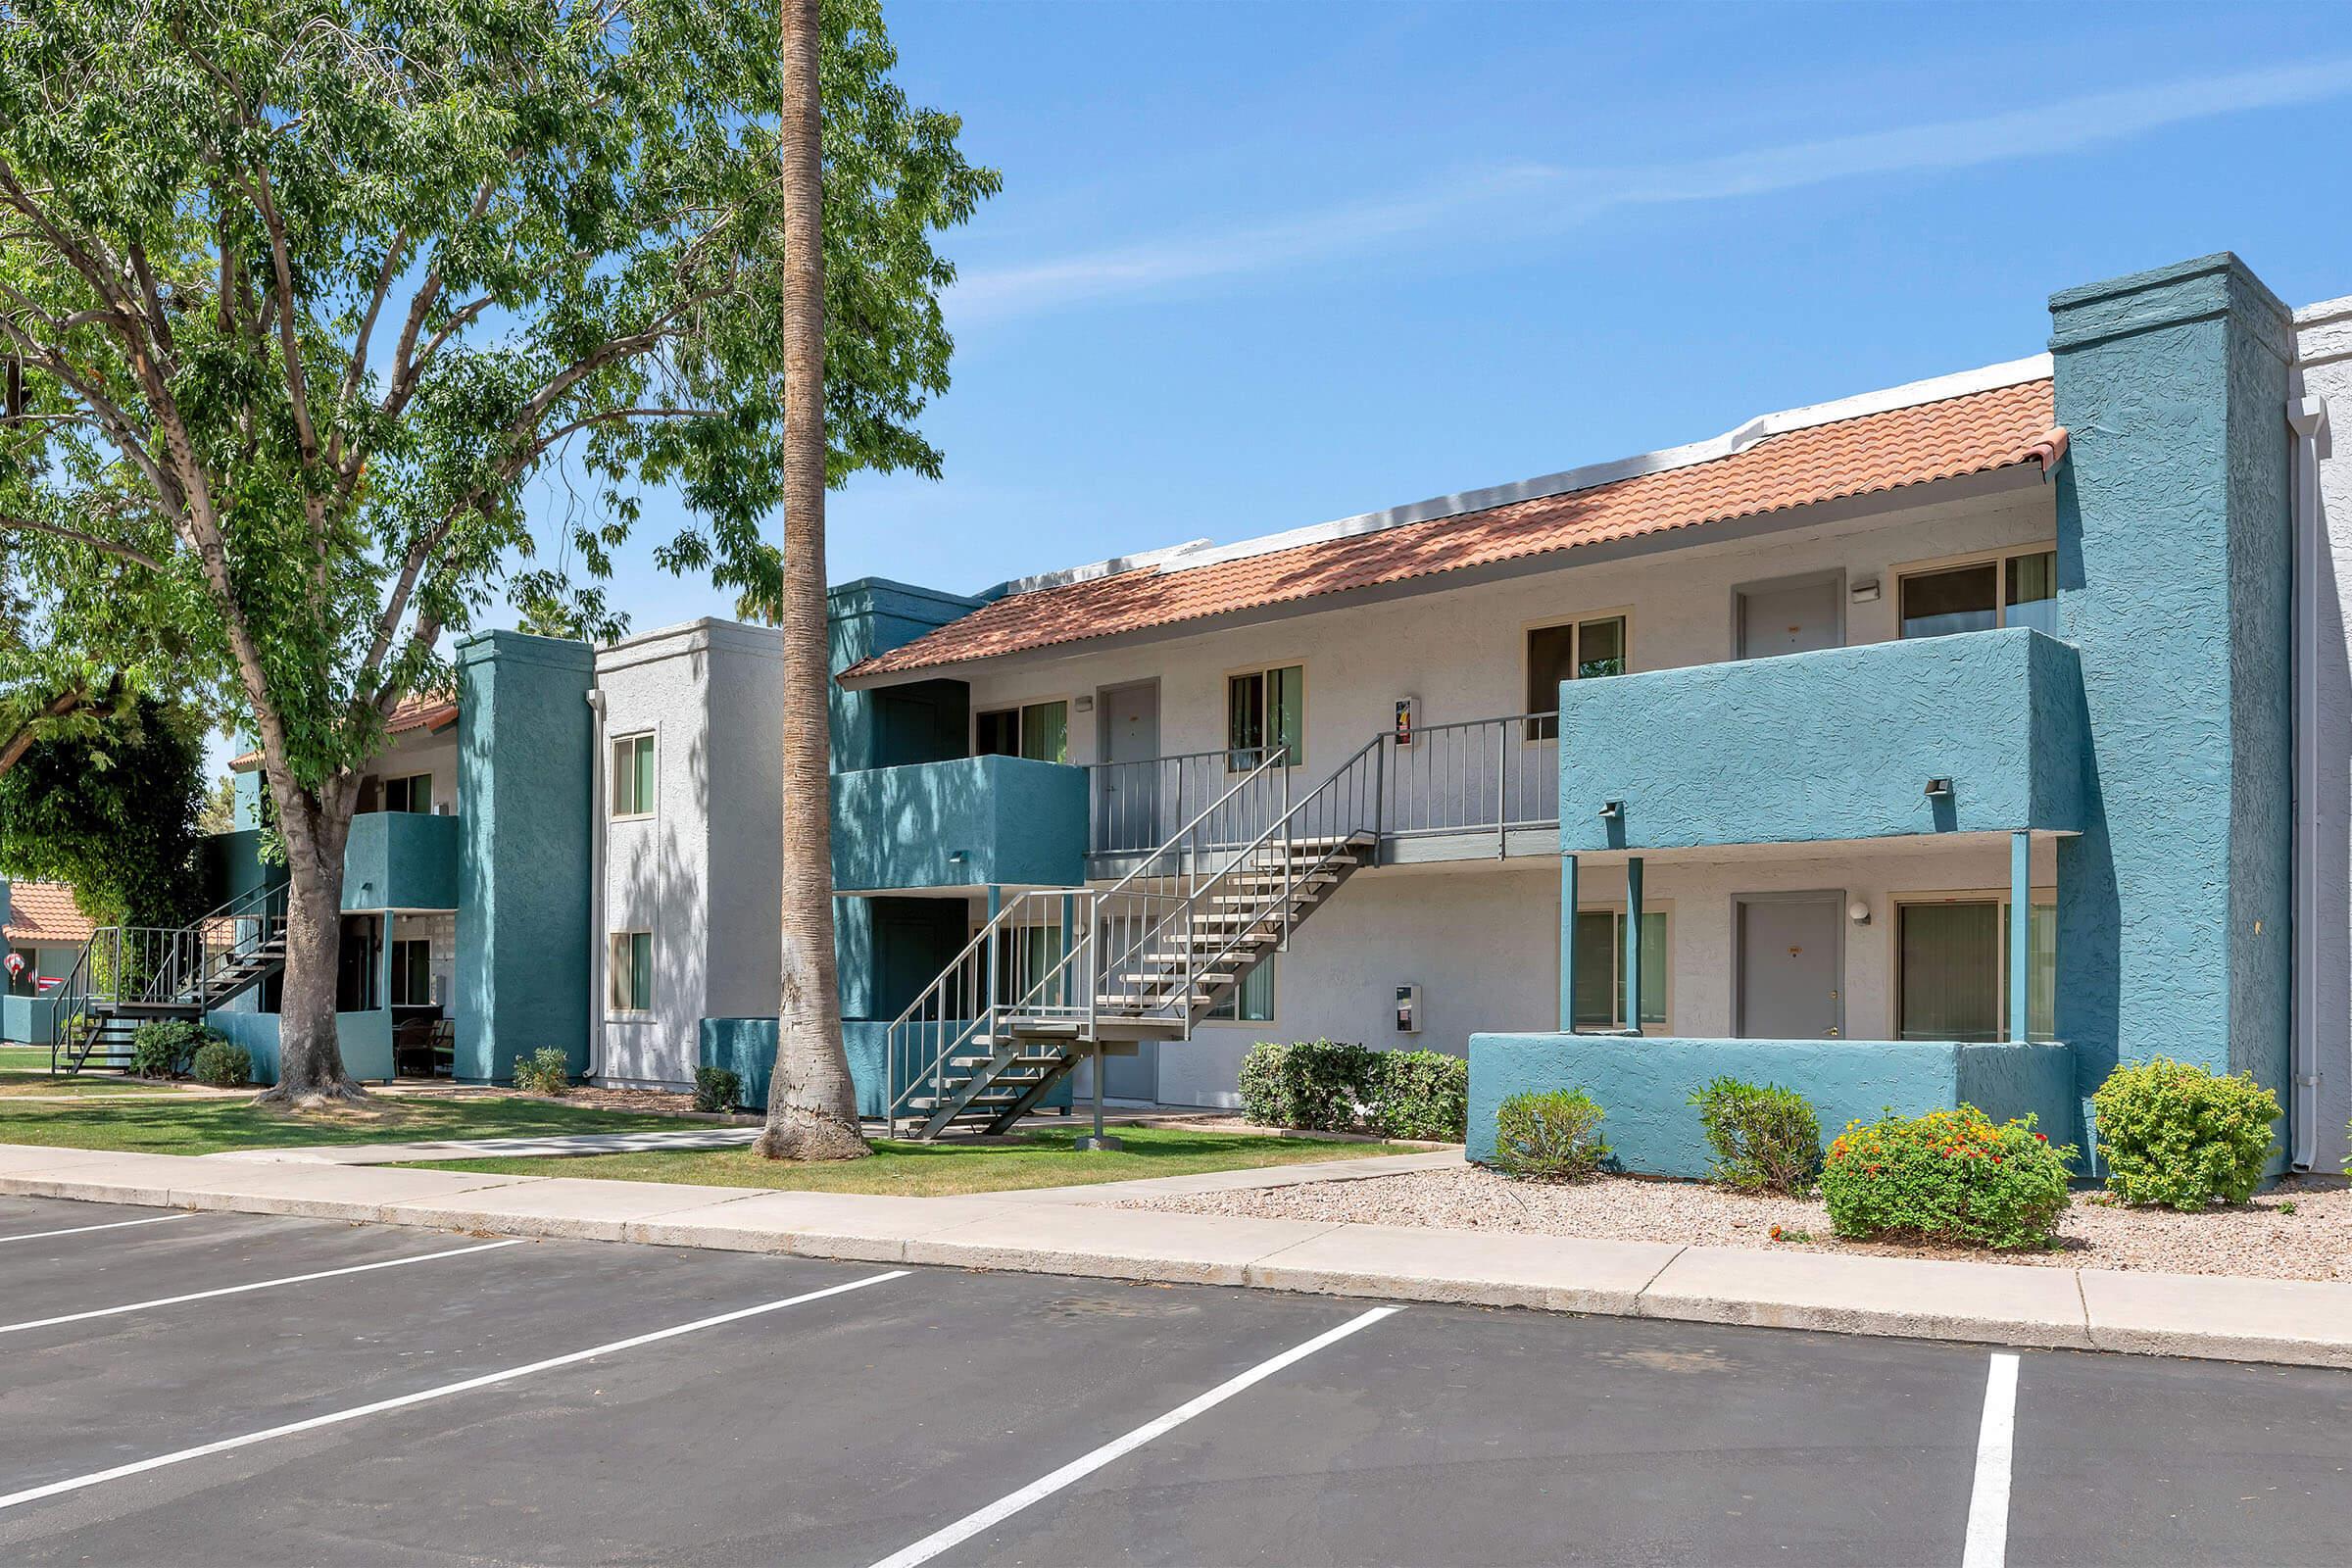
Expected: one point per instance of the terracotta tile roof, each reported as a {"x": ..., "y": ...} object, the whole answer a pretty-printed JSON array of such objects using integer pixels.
[
  {"x": 426, "y": 711},
  {"x": 43, "y": 913},
  {"x": 1920, "y": 444}
]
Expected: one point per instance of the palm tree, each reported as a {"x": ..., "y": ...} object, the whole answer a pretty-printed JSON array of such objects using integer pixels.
[{"x": 812, "y": 1101}]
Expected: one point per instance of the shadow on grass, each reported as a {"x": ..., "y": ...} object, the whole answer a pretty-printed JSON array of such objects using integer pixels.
[{"x": 185, "y": 1126}]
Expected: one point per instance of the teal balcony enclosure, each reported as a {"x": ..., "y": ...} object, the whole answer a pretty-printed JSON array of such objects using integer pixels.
[
  {"x": 970, "y": 823},
  {"x": 401, "y": 860},
  {"x": 1977, "y": 732}
]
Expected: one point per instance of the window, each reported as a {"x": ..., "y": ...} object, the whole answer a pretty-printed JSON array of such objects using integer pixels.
[
  {"x": 412, "y": 972},
  {"x": 1951, "y": 977},
  {"x": 1580, "y": 649},
  {"x": 1265, "y": 709},
  {"x": 1039, "y": 731},
  {"x": 633, "y": 775},
  {"x": 1026, "y": 959},
  {"x": 2020, "y": 590},
  {"x": 1251, "y": 1001},
  {"x": 629, "y": 972},
  {"x": 1600, "y": 1000},
  {"x": 411, "y": 794}
]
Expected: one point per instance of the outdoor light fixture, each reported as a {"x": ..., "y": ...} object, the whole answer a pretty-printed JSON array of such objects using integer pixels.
[
  {"x": 1858, "y": 912},
  {"x": 1611, "y": 810},
  {"x": 1939, "y": 787},
  {"x": 1865, "y": 592}
]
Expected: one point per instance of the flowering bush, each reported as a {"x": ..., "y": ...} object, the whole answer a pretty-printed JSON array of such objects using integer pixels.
[
  {"x": 1947, "y": 1176},
  {"x": 2181, "y": 1135}
]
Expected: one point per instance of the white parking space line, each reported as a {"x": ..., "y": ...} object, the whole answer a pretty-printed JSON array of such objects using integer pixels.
[
  {"x": 85, "y": 1230},
  {"x": 99, "y": 1478},
  {"x": 1079, "y": 1469},
  {"x": 1989, "y": 1504},
  {"x": 256, "y": 1285}
]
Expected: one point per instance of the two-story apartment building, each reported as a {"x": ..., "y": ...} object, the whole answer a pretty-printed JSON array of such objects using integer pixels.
[{"x": 1935, "y": 743}]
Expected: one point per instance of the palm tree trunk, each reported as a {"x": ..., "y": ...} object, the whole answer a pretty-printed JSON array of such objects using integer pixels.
[{"x": 812, "y": 1101}]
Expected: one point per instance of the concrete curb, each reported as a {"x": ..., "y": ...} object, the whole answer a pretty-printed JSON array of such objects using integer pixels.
[{"x": 2293, "y": 1322}]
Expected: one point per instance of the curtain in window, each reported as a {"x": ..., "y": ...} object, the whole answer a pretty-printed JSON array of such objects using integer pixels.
[{"x": 1949, "y": 965}]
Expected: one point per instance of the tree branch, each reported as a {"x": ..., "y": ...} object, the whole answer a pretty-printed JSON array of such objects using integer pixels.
[{"x": 105, "y": 547}]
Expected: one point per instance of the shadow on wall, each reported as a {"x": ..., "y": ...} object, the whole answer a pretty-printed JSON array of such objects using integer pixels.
[{"x": 652, "y": 885}]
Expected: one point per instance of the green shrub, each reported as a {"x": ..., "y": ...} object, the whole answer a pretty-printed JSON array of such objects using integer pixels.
[
  {"x": 717, "y": 1088},
  {"x": 1766, "y": 1139},
  {"x": 162, "y": 1049},
  {"x": 545, "y": 1071},
  {"x": 1552, "y": 1137},
  {"x": 1947, "y": 1176},
  {"x": 1313, "y": 1085},
  {"x": 221, "y": 1065},
  {"x": 1419, "y": 1094},
  {"x": 2176, "y": 1134}
]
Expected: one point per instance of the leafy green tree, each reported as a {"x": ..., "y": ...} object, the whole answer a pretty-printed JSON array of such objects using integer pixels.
[
  {"x": 303, "y": 293},
  {"x": 111, "y": 813}
]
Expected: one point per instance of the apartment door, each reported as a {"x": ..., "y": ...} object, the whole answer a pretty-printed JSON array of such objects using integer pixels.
[
  {"x": 1127, "y": 804},
  {"x": 1793, "y": 615},
  {"x": 1791, "y": 966}
]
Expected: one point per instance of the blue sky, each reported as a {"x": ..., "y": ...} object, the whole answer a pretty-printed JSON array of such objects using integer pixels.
[{"x": 1259, "y": 265}]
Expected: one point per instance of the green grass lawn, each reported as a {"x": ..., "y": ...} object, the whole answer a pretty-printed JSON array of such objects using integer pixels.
[
  {"x": 932, "y": 1170},
  {"x": 181, "y": 1124},
  {"x": 25, "y": 1070}
]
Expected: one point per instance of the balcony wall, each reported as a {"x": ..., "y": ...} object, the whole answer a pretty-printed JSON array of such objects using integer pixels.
[
  {"x": 969, "y": 823},
  {"x": 1832, "y": 745},
  {"x": 401, "y": 860}
]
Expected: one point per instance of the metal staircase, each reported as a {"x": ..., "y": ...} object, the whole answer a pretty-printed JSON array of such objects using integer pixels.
[
  {"x": 1059, "y": 973},
  {"x": 130, "y": 975}
]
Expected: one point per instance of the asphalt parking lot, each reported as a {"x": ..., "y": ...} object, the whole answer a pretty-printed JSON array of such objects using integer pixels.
[{"x": 196, "y": 1388}]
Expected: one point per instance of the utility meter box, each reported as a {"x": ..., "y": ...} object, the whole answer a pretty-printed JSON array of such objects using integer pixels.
[{"x": 1408, "y": 1009}]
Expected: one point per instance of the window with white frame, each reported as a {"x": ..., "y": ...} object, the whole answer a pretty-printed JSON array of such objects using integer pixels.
[
  {"x": 2017, "y": 589},
  {"x": 1600, "y": 998},
  {"x": 629, "y": 972},
  {"x": 1952, "y": 969},
  {"x": 1265, "y": 709},
  {"x": 633, "y": 775},
  {"x": 1576, "y": 650},
  {"x": 414, "y": 793},
  {"x": 1038, "y": 731}
]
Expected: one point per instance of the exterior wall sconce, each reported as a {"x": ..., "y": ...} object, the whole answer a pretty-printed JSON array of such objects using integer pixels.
[
  {"x": 1865, "y": 592},
  {"x": 1938, "y": 788},
  {"x": 1611, "y": 810},
  {"x": 1858, "y": 912}
]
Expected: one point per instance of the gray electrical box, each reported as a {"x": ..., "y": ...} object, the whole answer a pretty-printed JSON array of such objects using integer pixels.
[{"x": 1408, "y": 1009}]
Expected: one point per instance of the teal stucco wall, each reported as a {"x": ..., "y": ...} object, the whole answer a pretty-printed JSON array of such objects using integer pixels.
[
  {"x": 1013, "y": 821},
  {"x": 2174, "y": 562},
  {"x": 748, "y": 1046},
  {"x": 1644, "y": 1084},
  {"x": 364, "y": 1039},
  {"x": 26, "y": 1020},
  {"x": 402, "y": 860},
  {"x": 525, "y": 737},
  {"x": 1836, "y": 743}
]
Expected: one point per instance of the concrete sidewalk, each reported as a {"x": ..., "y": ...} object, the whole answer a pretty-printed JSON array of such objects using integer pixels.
[{"x": 1072, "y": 1231}]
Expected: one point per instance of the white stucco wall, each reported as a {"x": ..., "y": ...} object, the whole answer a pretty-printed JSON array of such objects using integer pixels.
[
  {"x": 699, "y": 872},
  {"x": 2325, "y": 333},
  {"x": 412, "y": 754}
]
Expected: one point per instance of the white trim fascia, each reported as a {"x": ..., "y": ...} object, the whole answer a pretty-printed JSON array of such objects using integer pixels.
[
  {"x": 2324, "y": 332},
  {"x": 1107, "y": 566},
  {"x": 1935, "y": 389}
]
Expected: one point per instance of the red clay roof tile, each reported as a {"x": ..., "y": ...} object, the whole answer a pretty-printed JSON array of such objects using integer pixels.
[
  {"x": 43, "y": 913},
  {"x": 1920, "y": 444}
]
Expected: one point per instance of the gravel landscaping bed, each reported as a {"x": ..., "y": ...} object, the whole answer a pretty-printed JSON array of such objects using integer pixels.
[{"x": 2312, "y": 1241}]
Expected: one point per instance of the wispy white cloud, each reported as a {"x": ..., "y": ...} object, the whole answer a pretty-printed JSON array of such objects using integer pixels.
[{"x": 1555, "y": 195}]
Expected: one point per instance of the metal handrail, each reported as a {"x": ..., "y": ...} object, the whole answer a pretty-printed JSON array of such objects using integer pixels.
[{"x": 157, "y": 966}]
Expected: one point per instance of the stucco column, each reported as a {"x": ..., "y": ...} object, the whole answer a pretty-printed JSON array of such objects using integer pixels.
[
  {"x": 2020, "y": 947},
  {"x": 1567, "y": 944},
  {"x": 1633, "y": 945}
]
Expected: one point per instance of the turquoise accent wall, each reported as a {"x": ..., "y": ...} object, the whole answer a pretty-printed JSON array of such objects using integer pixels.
[
  {"x": 1013, "y": 819},
  {"x": 524, "y": 741},
  {"x": 1645, "y": 1085},
  {"x": 245, "y": 798},
  {"x": 868, "y": 616},
  {"x": 365, "y": 1038},
  {"x": 402, "y": 860},
  {"x": 1836, "y": 743},
  {"x": 233, "y": 867},
  {"x": 26, "y": 1020},
  {"x": 2174, "y": 563},
  {"x": 748, "y": 1046}
]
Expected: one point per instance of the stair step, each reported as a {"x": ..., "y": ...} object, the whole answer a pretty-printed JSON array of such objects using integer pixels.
[{"x": 1027, "y": 1058}]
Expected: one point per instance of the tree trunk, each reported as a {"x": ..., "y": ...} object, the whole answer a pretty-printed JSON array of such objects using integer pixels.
[
  {"x": 811, "y": 1101},
  {"x": 310, "y": 1059}
]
